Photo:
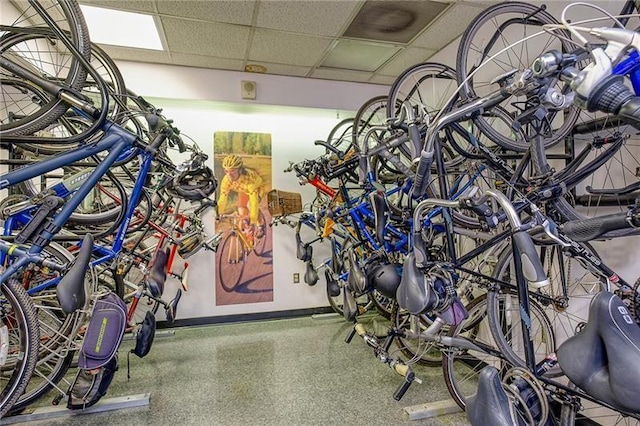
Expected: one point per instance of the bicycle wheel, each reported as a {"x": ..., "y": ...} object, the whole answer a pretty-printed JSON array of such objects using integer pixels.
[
  {"x": 70, "y": 124},
  {"x": 101, "y": 208},
  {"x": 604, "y": 178},
  {"x": 230, "y": 261},
  {"x": 461, "y": 367},
  {"x": 374, "y": 113},
  {"x": 58, "y": 331},
  {"x": 341, "y": 136},
  {"x": 260, "y": 240},
  {"x": 429, "y": 87},
  {"x": 52, "y": 60},
  {"x": 421, "y": 352},
  {"x": 587, "y": 412},
  {"x": 384, "y": 305},
  {"x": 507, "y": 26},
  {"x": 19, "y": 323},
  {"x": 564, "y": 302}
]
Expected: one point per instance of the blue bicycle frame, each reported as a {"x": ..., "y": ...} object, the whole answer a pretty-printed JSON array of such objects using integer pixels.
[
  {"x": 630, "y": 66},
  {"x": 116, "y": 141}
]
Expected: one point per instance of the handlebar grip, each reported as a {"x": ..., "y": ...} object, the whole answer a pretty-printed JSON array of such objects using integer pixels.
[
  {"x": 630, "y": 111},
  {"x": 422, "y": 174},
  {"x": 531, "y": 266},
  {"x": 402, "y": 389},
  {"x": 330, "y": 148},
  {"x": 589, "y": 229}
]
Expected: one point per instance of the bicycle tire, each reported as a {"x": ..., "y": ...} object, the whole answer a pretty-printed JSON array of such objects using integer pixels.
[
  {"x": 231, "y": 253},
  {"x": 18, "y": 310},
  {"x": 102, "y": 208},
  {"x": 461, "y": 367},
  {"x": 465, "y": 362},
  {"x": 565, "y": 206},
  {"x": 260, "y": 244},
  {"x": 423, "y": 353},
  {"x": 68, "y": 124},
  {"x": 565, "y": 310},
  {"x": 70, "y": 19},
  {"x": 505, "y": 18},
  {"x": 427, "y": 86},
  {"x": 57, "y": 332}
]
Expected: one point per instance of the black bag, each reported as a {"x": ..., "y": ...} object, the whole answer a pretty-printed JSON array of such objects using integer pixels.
[
  {"x": 91, "y": 385},
  {"x": 97, "y": 360},
  {"x": 145, "y": 334}
]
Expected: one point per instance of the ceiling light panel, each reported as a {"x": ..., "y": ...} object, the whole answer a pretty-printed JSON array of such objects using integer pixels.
[
  {"x": 144, "y": 6},
  {"x": 355, "y": 55},
  {"x": 120, "y": 28},
  {"x": 393, "y": 21}
]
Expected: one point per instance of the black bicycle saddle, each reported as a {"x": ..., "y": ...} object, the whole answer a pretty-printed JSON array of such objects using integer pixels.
[
  {"x": 71, "y": 290},
  {"x": 158, "y": 273},
  {"x": 603, "y": 358},
  {"x": 379, "y": 206},
  {"x": 490, "y": 405}
]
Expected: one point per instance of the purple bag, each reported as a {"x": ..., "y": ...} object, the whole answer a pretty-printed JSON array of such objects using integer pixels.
[
  {"x": 98, "y": 361},
  {"x": 105, "y": 332}
]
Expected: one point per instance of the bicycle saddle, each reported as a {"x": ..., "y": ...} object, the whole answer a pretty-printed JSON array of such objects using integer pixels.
[
  {"x": 304, "y": 252},
  {"x": 310, "y": 274},
  {"x": 603, "y": 358},
  {"x": 490, "y": 405},
  {"x": 357, "y": 280},
  {"x": 158, "y": 273},
  {"x": 379, "y": 206},
  {"x": 71, "y": 291},
  {"x": 415, "y": 293}
]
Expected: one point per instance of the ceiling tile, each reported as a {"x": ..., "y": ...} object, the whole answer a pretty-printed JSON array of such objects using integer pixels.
[
  {"x": 284, "y": 48},
  {"x": 403, "y": 60},
  {"x": 281, "y": 69},
  {"x": 336, "y": 74},
  {"x": 206, "y": 38},
  {"x": 326, "y": 18},
  {"x": 442, "y": 32},
  {"x": 138, "y": 5},
  {"x": 356, "y": 55},
  {"x": 140, "y": 55},
  {"x": 229, "y": 11},
  {"x": 382, "y": 79},
  {"x": 207, "y": 62},
  {"x": 393, "y": 20}
]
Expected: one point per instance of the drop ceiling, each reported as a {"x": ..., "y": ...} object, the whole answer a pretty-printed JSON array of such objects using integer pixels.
[{"x": 349, "y": 40}]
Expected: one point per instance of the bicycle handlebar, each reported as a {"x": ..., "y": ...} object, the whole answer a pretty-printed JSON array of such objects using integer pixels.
[{"x": 592, "y": 228}]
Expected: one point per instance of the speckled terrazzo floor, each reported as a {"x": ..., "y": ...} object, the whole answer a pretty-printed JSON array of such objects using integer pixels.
[{"x": 283, "y": 372}]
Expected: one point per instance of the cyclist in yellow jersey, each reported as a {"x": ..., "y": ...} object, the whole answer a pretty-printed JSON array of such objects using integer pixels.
[{"x": 246, "y": 183}]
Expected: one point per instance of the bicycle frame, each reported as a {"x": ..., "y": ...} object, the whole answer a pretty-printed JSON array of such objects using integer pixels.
[{"x": 116, "y": 141}]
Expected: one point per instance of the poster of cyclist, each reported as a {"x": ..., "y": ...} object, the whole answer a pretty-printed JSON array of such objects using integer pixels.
[{"x": 244, "y": 260}]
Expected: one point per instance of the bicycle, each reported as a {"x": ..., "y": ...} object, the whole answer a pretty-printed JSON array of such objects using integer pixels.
[{"x": 238, "y": 242}]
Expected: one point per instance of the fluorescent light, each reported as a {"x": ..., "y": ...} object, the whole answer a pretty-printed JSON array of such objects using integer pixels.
[{"x": 119, "y": 28}]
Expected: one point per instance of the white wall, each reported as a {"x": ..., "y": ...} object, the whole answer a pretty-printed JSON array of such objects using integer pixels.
[{"x": 202, "y": 102}]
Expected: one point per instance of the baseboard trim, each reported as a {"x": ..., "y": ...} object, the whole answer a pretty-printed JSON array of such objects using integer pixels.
[{"x": 256, "y": 316}]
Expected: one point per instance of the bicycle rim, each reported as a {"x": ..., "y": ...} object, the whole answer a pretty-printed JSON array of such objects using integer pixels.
[
  {"x": 19, "y": 318},
  {"x": 38, "y": 57},
  {"x": 559, "y": 308},
  {"x": 494, "y": 29},
  {"x": 231, "y": 260}
]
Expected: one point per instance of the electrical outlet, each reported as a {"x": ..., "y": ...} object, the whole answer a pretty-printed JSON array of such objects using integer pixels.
[{"x": 296, "y": 277}]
